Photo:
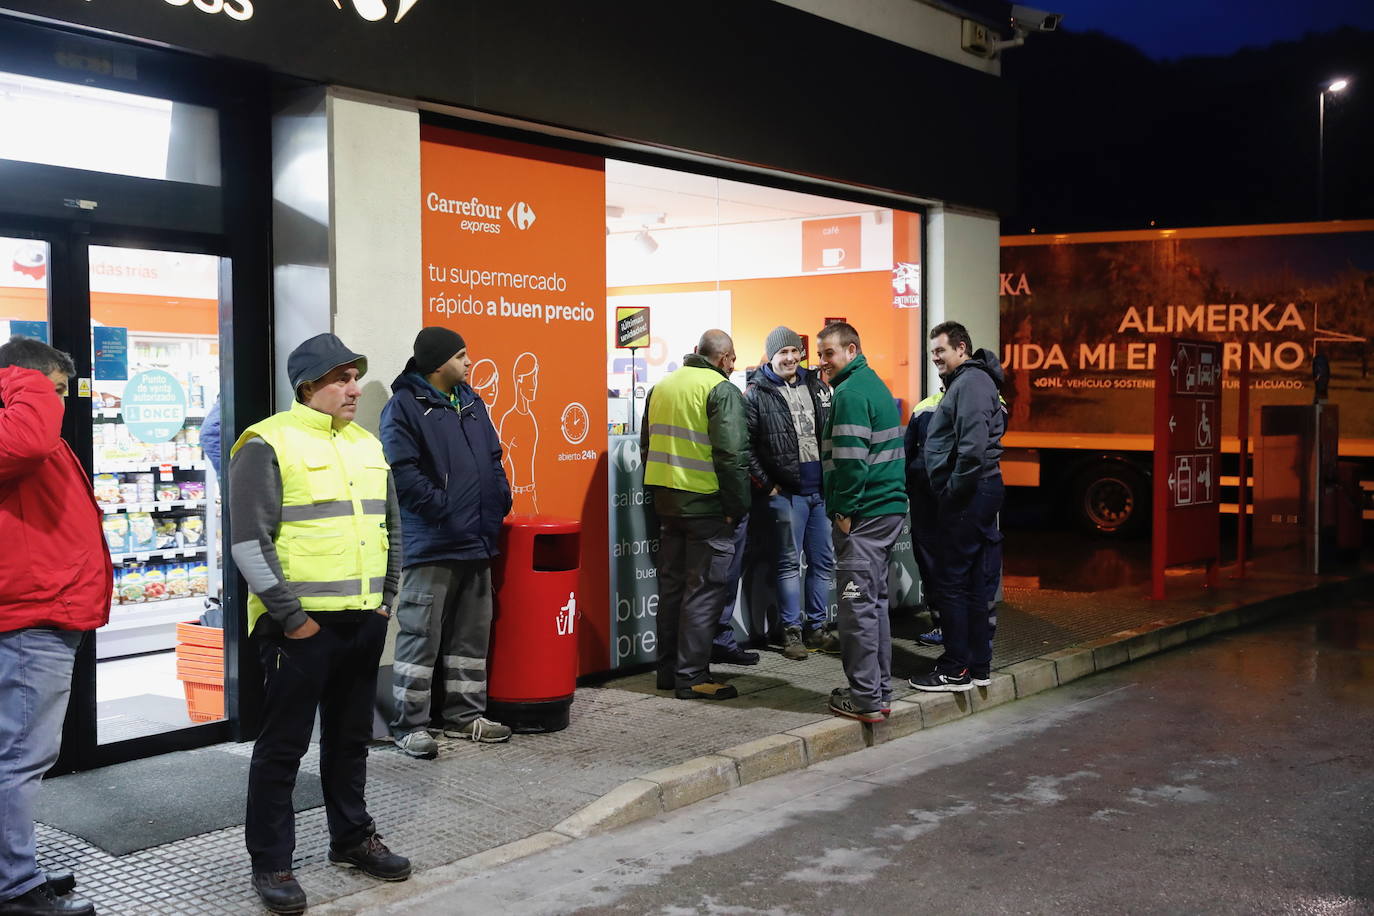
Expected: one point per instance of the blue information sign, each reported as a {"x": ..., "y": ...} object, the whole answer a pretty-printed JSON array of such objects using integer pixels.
[
  {"x": 154, "y": 406},
  {"x": 38, "y": 330},
  {"x": 111, "y": 353}
]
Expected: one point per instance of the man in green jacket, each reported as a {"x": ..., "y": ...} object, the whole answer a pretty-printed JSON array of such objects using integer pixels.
[
  {"x": 696, "y": 468},
  {"x": 865, "y": 494}
]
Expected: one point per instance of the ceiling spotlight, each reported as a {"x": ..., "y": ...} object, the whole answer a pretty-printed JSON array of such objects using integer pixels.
[
  {"x": 614, "y": 212},
  {"x": 646, "y": 241}
]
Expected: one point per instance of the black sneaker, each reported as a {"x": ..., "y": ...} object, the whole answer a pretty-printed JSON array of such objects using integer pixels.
[
  {"x": 844, "y": 705},
  {"x": 732, "y": 656},
  {"x": 935, "y": 682},
  {"x": 372, "y": 858},
  {"x": 813, "y": 638},
  {"x": 280, "y": 891}
]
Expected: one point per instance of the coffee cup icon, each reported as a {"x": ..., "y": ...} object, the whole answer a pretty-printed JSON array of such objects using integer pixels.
[{"x": 832, "y": 257}]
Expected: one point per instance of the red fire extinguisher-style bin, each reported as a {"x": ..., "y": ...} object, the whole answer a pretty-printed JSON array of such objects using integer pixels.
[{"x": 532, "y": 664}]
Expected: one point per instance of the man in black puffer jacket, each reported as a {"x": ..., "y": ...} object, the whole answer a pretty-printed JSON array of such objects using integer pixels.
[
  {"x": 786, "y": 407},
  {"x": 446, "y": 460}
]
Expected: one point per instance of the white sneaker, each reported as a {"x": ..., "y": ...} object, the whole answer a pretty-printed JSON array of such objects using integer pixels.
[
  {"x": 418, "y": 744},
  {"x": 480, "y": 729}
]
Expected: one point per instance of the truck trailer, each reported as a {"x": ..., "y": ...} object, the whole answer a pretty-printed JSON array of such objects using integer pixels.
[{"x": 1080, "y": 314}]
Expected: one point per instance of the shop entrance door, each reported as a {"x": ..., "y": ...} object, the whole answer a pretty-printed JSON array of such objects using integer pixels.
[{"x": 140, "y": 315}]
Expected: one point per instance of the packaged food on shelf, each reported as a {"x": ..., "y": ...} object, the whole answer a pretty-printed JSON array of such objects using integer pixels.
[
  {"x": 116, "y": 527},
  {"x": 128, "y": 493},
  {"x": 193, "y": 531},
  {"x": 131, "y": 586},
  {"x": 142, "y": 532},
  {"x": 168, "y": 492},
  {"x": 166, "y": 537},
  {"x": 106, "y": 488},
  {"x": 147, "y": 486},
  {"x": 192, "y": 489},
  {"x": 154, "y": 583},
  {"x": 178, "y": 581},
  {"x": 200, "y": 578},
  {"x": 192, "y": 436}
]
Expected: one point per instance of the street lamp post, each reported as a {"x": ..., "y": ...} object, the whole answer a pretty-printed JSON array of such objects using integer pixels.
[{"x": 1334, "y": 87}]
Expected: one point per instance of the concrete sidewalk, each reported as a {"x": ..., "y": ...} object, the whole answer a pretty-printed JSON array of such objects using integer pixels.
[{"x": 632, "y": 752}]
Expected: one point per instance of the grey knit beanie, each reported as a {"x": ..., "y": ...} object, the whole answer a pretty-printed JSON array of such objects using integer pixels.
[{"x": 779, "y": 338}]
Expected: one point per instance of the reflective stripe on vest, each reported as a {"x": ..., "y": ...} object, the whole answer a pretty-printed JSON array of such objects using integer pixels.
[
  {"x": 333, "y": 540},
  {"x": 679, "y": 439}
]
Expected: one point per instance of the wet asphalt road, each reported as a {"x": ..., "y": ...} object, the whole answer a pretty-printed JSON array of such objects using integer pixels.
[{"x": 1235, "y": 775}]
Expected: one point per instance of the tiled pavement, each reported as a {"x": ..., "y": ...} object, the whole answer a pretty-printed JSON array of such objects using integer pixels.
[{"x": 476, "y": 797}]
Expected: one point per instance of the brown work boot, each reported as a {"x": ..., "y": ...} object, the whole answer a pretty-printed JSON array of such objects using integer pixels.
[
  {"x": 792, "y": 645},
  {"x": 707, "y": 691}
]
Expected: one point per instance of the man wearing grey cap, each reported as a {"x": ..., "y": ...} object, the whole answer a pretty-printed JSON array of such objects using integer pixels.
[
  {"x": 316, "y": 533},
  {"x": 786, "y": 407}
]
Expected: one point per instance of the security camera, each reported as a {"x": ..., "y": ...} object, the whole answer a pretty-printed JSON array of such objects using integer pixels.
[{"x": 1034, "y": 20}]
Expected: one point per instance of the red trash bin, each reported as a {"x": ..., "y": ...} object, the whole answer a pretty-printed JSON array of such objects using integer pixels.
[{"x": 532, "y": 664}]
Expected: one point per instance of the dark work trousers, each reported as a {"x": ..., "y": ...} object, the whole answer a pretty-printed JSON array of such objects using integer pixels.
[
  {"x": 925, "y": 541},
  {"x": 694, "y": 556},
  {"x": 862, "y": 558},
  {"x": 444, "y": 614},
  {"x": 334, "y": 671},
  {"x": 970, "y": 549},
  {"x": 725, "y": 627}
]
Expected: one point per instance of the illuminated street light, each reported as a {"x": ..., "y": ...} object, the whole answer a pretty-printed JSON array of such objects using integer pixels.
[{"x": 1333, "y": 87}]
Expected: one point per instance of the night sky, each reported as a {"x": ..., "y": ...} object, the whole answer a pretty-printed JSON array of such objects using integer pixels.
[{"x": 1176, "y": 28}]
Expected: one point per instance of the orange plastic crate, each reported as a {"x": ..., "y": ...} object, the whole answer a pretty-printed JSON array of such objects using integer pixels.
[
  {"x": 196, "y": 635},
  {"x": 204, "y": 701}
]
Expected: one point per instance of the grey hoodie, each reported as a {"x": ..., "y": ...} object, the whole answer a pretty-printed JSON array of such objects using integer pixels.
[{"x": 964, "y": 441}]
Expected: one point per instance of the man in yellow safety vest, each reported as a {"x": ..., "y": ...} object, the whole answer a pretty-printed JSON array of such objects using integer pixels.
[
  {"x": 316, "y": 535},
  {"x": 696, "y": 465}
]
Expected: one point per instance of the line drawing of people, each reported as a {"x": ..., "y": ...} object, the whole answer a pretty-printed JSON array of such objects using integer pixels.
[
  {"x": 485, "y": 379},
  {"x": 519, "y": 434}
]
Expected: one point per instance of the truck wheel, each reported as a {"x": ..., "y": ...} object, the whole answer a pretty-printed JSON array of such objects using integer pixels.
[{"x": 1111, "y": 498}]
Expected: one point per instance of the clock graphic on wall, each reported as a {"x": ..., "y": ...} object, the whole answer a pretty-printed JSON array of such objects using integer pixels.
[{"x": 576, "y": 423}]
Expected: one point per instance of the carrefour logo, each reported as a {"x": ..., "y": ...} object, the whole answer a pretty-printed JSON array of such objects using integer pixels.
[{"x": 376, "y": 10}]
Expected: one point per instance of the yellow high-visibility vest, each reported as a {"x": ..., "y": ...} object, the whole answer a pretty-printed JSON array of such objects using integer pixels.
[
  {"x": 679, "y": 435},
  {"x": 333, "y": 539}
]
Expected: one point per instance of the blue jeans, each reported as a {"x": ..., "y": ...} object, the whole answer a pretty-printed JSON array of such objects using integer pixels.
[
  {"x": 35, "y": 681},
  {"x": 801, "y": 526},
  {"x": 725, "y": 627}
]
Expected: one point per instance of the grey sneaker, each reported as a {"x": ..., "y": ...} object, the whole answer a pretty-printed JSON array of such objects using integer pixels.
[
  {"x": 792, "y": 646},
  {"x": 480, "y": 729},
  {"x": 418, "y": 744}
]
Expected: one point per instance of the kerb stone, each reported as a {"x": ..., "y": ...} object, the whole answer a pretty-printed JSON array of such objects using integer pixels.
[
  {"x": 767, "y": 757},
  {"x": 830, "y": 738},
  {"x": 1033, "y": 676},
  {"x": 698, "y": 778}
]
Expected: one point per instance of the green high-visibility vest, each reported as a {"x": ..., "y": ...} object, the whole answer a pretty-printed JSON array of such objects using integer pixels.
[
  {"x": 679, "y": 435},
  {"x": 333, "y": 538}
]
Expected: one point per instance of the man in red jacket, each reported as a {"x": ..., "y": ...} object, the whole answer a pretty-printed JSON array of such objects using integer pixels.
[{"x": 55, "y": 584}]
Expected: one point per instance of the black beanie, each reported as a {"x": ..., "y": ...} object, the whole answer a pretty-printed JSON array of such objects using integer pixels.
[{"x": 434, "y": 347}]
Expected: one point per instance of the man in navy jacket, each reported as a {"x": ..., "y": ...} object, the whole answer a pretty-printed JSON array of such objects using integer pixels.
[{"x": 446, "y": 460}]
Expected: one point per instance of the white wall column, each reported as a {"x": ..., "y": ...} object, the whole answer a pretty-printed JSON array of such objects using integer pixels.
[
  {"x": 963, "y": 251},
  {"x": 374, "y": 148}
]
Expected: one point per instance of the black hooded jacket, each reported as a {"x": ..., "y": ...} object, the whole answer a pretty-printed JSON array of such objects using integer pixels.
[
  {"x": 964, "y": 440},
  {"x": 446, "y": 462},
  {"x": 774, "y": 455}
]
